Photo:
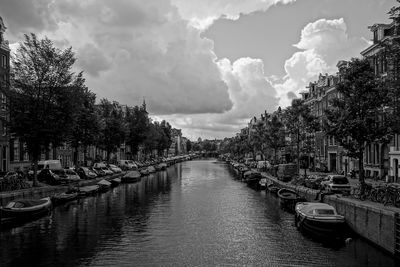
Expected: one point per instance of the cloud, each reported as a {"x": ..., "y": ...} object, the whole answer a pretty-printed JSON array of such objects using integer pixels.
[
  {"x": 251, "y": 94},
  {"x": 203, "y": 13},
  {"x": 323, "y": 43},
  {"x": 130, "y": 50}
]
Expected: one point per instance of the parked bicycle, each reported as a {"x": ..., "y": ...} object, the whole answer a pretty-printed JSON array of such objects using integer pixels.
[
  {"x": 392, "y": 195},
  {"x": 362, "y": 191}
]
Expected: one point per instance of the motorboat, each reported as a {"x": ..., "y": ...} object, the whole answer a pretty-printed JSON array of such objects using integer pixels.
[
  {"x": 163, "y": 166},
  {"x": 151, "y": 169},
  {"x": 272, "y": 188},
  {"x": 104, "y": 185},
  {"x": 131, "y": 177},
  {"x": 320, "y": 220},
  {"x": 288, "y": 199},
  {"x": 88, "y": 190},
  {"x": 22, "y": 210},
  {"x": 252, "y": 177},
  {"x": 263, "y": 183},
  {"x": 144, "y": 171},
  {"x": 115, "y": 181},
  {"x": 61, "y": 198}
]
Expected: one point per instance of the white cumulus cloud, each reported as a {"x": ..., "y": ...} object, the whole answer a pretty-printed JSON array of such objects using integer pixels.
[{"x": 323, "y": 43}]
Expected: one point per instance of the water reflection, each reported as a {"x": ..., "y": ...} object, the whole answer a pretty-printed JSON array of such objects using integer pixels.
[{"x": 194, "y": 213}]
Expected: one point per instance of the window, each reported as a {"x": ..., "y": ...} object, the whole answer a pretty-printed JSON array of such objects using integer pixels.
[
  {"x": 4, "y": 61},
  {"x": 16, "y": 149}
]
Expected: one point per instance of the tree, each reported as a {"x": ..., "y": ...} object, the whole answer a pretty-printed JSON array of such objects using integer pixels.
[
  {"x": 137, "y": 127},
  {"x": 300, "y": 123},
  {"x": 358, "y": 116},
  {"x": 189, "y": 145},
  {"x": 41, "y": 95},
  {"x": 275, "y": 134},
  {"x": 86, "y": 126},
  {"x": 112, "y": 129},
  {"x": 165, "y": 138}
]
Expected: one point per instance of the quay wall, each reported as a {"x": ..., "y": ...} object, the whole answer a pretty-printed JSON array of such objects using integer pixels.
[
  {"x": 374, "y": 223},
  {"x": 46, "y": 191}
]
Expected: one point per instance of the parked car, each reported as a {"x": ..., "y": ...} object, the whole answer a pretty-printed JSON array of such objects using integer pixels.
[
  {"x": 72, "y": 175},
  {"x": 263, "y": 165},
  {"x": 50, "y": 177},
  {"x": 103, "y": 167},
  {"x": 127, "y": 164},
  {"x": 336, "y": 183},
  {"x": 314, "y": 181},
  {"x": 86, "y": 173},
  {"x": 98, "y": 172},
  {"x": 114, "y": 168}
]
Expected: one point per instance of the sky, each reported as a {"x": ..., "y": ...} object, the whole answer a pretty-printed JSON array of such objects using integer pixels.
[{"x": 206, "y": 66}]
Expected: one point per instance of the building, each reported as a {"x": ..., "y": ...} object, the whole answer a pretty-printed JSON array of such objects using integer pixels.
[
  {"x": 4, "y": 117},
  {"x": 382, "y": 159}
]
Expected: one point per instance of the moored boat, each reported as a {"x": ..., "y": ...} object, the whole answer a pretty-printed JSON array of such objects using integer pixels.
[
  {"x": 115, "y": 181},
  {"x": 151, "y": 169},
  {"x": 22, "y": 210},
  {"x": 144, "y": 171},
  {"x": 288, "y": 199},
  {"x": 263, "y": 183},
  {"x": 131, "y": 177},
  {"x": 88, "y": 190},
  {"x": 320, "y": 220},
  {"x": 64, "y": 197},
  {"x": 252, "y": 177},
  {"x": 104, "y": 185},
  {"x": 163, "y": 166}
]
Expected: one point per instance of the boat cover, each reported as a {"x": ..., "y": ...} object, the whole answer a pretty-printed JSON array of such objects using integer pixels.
[
  {"x": 317, "y": 209},
  {"x": 21, "y": 203},
  {"x": 132, "y": 174}
]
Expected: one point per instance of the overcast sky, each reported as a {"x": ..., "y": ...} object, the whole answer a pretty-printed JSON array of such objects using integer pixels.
[{"x": 206, "y": 66}]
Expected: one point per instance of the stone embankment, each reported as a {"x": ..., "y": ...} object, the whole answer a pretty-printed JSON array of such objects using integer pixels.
[
  {"x": 373, "y": 221},
  {"x": 47, "y": 190}
]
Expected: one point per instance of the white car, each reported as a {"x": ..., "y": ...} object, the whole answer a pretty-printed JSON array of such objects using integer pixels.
[
  {"x": 103, "y": 167},
  {"x": 336, "y": 183},
  {"x": 114, "y": 168}
]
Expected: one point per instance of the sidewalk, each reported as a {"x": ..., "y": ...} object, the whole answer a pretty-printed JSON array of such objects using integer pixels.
[
  {"x": 362, "y": 203},
  {"x": 353, "y": 181}
]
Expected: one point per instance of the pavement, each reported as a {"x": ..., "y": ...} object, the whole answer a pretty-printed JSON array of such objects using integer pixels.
[{"x": 353, "y": 181}]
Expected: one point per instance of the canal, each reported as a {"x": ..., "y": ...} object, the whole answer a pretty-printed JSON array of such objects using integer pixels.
[{"x": 194, "y": 214}]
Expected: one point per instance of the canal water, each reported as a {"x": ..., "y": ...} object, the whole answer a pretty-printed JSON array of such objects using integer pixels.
[{"x": 194, "y": 214}]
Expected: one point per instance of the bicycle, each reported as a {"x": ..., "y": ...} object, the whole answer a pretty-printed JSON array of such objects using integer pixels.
[
  {"x": 392, "y": 195},
  {"x": 362, "y": 191}
]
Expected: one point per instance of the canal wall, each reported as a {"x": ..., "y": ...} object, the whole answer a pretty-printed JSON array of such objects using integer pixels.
[
  {"x": 47, "y": 191},
  {"x": 372, "y": 221}
]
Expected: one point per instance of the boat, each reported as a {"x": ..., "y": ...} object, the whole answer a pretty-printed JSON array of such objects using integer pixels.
[
  {"x": 320, "y": 220},
  {"x": 273, "y": 188},
  {"x": 252, "y": 177},
  {"x": 88, "y": 190},
  {"x": 163, "y": 166},
  {"x": 23, "y": 210},
  {"x": 131, "y": 177},
  {"x": 151, "y": 169},
  {"x": 115, "y": 181},
  {"x": 64, "y": 197},
  {"x": 104, "y": 185},
  {"x": 263, "y": 183},
  {"x": 288, "y": 199},
  {"x": 144, "y": 171}
]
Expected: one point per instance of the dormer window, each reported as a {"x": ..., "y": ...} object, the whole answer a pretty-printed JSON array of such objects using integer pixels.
[{"x": 375, "y": 36}]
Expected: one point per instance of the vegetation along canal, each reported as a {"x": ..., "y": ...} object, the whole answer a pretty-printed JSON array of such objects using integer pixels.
[{"x": 194, "y": 214}]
